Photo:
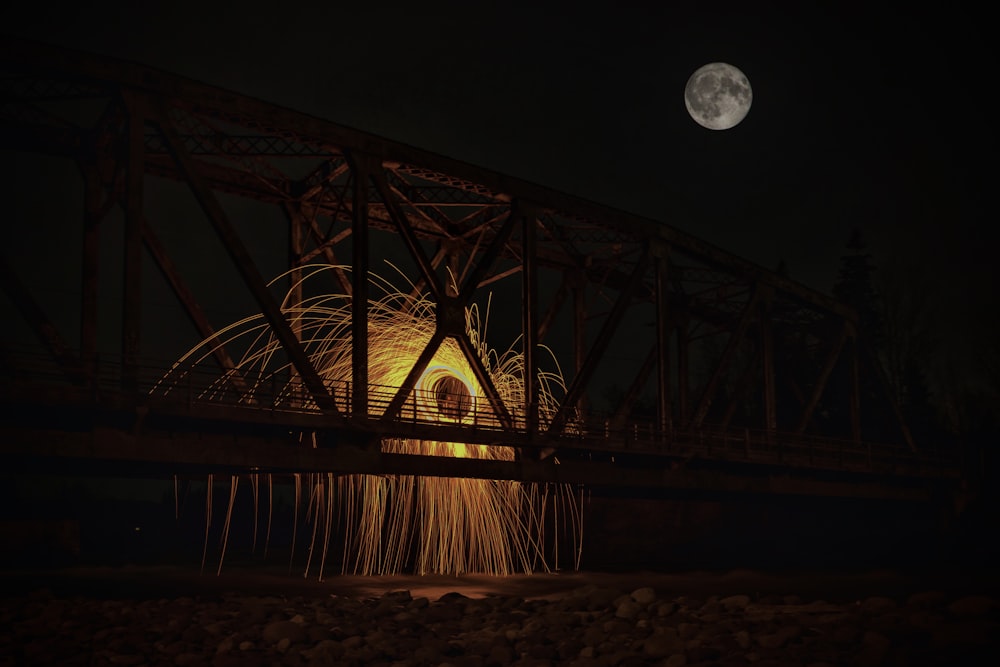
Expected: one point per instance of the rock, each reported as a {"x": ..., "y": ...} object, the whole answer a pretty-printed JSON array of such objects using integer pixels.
[
  {"x": 676, "y": 660},
  {"x": 662, "y": 645},
  {"x": 326, "y": 650},
  {"x": 643, "y": 596},
  {"x": 275, "y": 631},
  {"x": 873, "y": 650},
  {"x": 627, "y": 609},
  {"x": 742, "y": 638},
  {"x": 926, "y": 599},
  {"x": 687, "y": 630},
  {"x": 780, "y": 638},
  {"x": 734, "y": 602},
  {"x": 666, "y": 609},
  {"x": 972, "y": 605},
  {"x": 877, "y": 604},
  {"x": 226, "y": 645}
]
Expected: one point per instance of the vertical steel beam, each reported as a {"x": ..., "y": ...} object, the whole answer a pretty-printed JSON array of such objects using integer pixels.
[
  {"x": 493, "y": 251},
  {"x": 245, "y": 265},
  {"x": 296, "y": 238},
  {"x": 40, "y": 324},
  {"x": 409, "y": 237},
  {"x": 579, "y": 383},
  {"x": 664, "y": 403},
  {"x": 635, "y": 389},
  {"x": 854, "y": 390},
  {"x": 824, "y": 376},
  {"x": 361, "y": 166},
  {"x": 579, "y": 328},
  {"x": 683, "y": 368},
  {"x": 90, "y": 267},
  {"x": 886, "y": 387},
  {"x": 739, "y": 393},
  {"x": 187, "y": 300},
  {"x": 708, "y": 395},
  {"x": 132, "y": 245},
  {"x": 767, "y": 361},
  {"x": 554, "y": 306},
  {"x": 529, "y": 315}
]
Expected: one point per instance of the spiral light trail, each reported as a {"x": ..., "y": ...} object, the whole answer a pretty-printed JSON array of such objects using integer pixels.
[{"x": 390, "y": 523}]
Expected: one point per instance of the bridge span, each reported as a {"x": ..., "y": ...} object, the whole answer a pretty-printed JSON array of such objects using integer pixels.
[
  {"x": 152, "y": 209},
  {"x": 50, "y": 425}
]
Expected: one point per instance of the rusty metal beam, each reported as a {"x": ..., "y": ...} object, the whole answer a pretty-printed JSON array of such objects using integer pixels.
[
  {"x": 767, "y": 361},
  {"x": 132, "y": 454},
  {"x": 734, "y": 340},
  {"x": 419, "y": 366},
  {"x": 40, "y": 324},
  {"x": 361, "y": 166},
  {"x": 579, "y": 331},
  {"x": 529, "y": 313},
  {"x": 90, "y": 265},
  {"x": 824, "y": 376},
  {"x": 485, "y": 381},
  {"x": 582, "y": 378},
  {"x": 492, "y": 252},
  {"x": 245, "y": 265},
  {"x": 683, "y": 368},
  {"x": 886, "y": 387},
  {"x": 550, "y": 313},
  {"x": 664, "y": 404},
  {"x": 854, "y": 390},
  {"x": 634, "y": 390},
  {"x": 427, "y": 271},
  {"x": 132, "y": 244},
  {"x": 739, "y": 394},
  {"x": 192, "y": 308},
  {"x": 324, "y": 246}
]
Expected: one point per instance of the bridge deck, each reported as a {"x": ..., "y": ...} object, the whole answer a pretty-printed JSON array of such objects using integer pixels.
[{"x": 190, "y": 425}]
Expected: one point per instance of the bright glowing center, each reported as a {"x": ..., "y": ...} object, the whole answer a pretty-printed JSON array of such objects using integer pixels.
[{"x": 445, "y": 392}]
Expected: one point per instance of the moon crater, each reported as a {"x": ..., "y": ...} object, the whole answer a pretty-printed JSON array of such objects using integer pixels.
[{"x": 718, "y": 96}]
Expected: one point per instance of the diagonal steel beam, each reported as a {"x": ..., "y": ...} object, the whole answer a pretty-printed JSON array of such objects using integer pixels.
[
  {"x": 419, "y": 366},
  {"x": 824, "y": 376},
  {"x": 734, "y": 340},
  {"x": 192, "y": 308},
  {"x": 489, "y": 256},
  {"x": 245, "y": 265},
  {"x": 589, "y": 365},
  {"x": 406, "y": 231},
  {"x": 632, "y": 394},
  {"x": 132, "y": 243},
  {"x": 883, "y": 381},
  {"x": 40, "y": 324},
  {"x": 485, "y": 381}
]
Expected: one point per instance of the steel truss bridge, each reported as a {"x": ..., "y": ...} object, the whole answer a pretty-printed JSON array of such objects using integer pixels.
[{"x": 737, "y": 379}]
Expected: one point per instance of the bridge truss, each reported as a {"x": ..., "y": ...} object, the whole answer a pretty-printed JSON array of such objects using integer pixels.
[{"x": 713, "y": 358}]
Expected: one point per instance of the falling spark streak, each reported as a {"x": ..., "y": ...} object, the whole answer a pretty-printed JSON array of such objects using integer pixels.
[{"x": 389, "y": 523}]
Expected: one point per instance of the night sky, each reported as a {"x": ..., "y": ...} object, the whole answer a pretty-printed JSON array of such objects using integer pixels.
[{"x": 872, "y": 119}]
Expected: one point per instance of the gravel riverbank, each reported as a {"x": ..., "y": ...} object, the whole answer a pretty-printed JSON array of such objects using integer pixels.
[{"x": 170, "y": 616}]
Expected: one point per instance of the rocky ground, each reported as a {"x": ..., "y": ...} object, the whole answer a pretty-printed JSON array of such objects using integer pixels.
[{"x": 477, "y": 622}]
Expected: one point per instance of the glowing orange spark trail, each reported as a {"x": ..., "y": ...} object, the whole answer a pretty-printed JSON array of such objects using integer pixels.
[{"x": 387, "y": 523}]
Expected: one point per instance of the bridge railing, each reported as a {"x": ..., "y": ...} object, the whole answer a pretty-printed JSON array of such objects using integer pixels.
[{"x": 284, "y": 392}]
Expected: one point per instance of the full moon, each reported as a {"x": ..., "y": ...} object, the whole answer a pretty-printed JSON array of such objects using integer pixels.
[{"x": 718, "y": 96}]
